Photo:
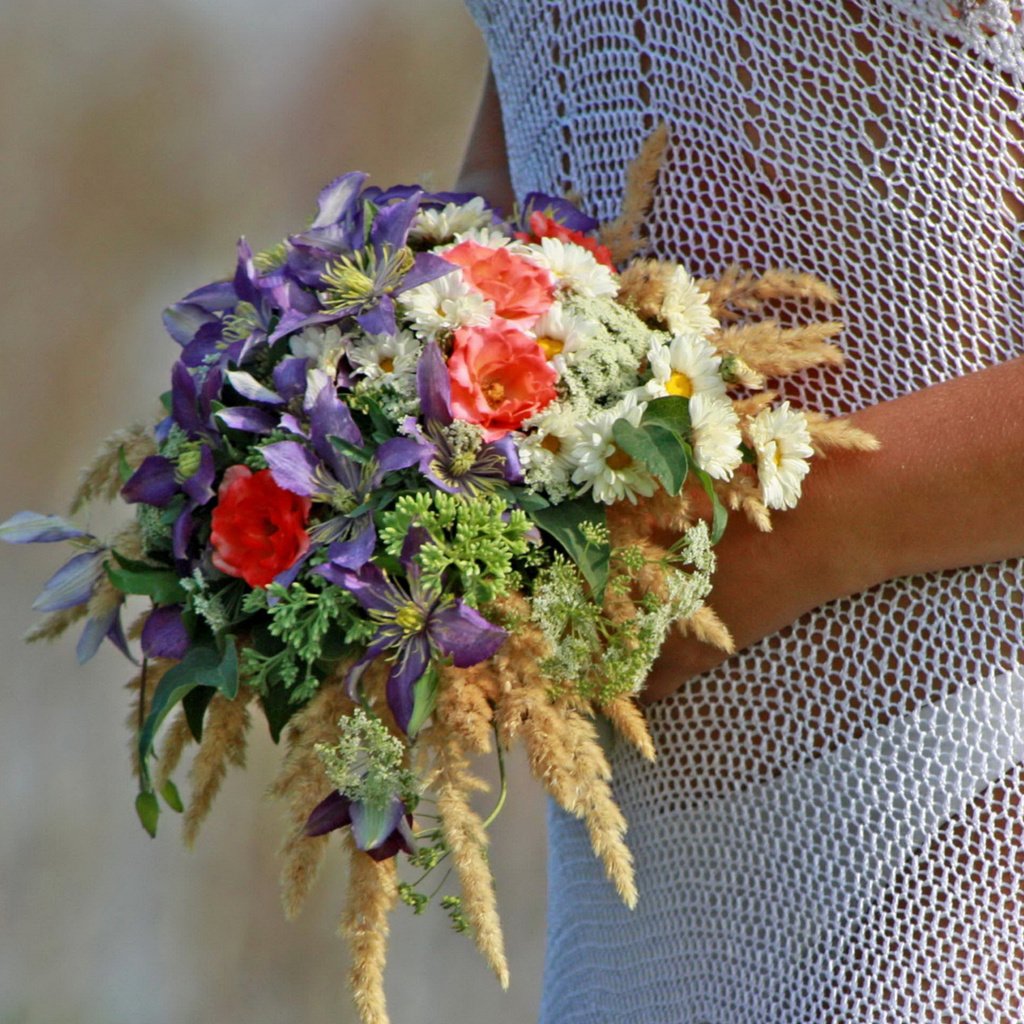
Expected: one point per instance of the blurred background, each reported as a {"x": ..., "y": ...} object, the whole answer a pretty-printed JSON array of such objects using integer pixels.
[{"x": 138, "y": 140}]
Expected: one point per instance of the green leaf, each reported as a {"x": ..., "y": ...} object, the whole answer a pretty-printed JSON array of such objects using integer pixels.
[
  {"x": 424, "y": 694},
  {"x": 148, "y": 810},
  {"x": 202, "y": 666},
  {"x": 195, "y": 703},
  {"x": 124, "y": 471},
  {"x": 172, "y": 797},
  {"x": 528, "y": 501},
  {"x": 749, "y": 455},
  {"x": 161, "y": 585},
  {"x": 360, "y": 455},
  {"x": 720, "y": 517},
  {"x": 655, "y": 447},
  {"x": 671, "y": 412},
  {"x": 278, "y": 709},
  {"x": 562, "y": 523}
]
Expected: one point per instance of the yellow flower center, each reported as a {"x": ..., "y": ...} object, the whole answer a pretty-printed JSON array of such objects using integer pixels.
[
  {"x": 387, "y": 364},
  {"x": 551, "y": 346},
  {"x": 679, "y": 384},
  {"x": 777, "y": 455},
  {"x": 618, "y": 460},
  {"x": 410, "y": 618},
  {"x": 494, "y": 392},
  {"x": 551, "y": 444}
]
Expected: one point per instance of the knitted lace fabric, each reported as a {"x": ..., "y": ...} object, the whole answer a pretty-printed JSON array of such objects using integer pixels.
[{"x": 834, "y": 830}]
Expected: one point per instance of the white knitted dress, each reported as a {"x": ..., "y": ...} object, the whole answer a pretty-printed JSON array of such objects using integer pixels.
[{"x": 834, "y": 830}]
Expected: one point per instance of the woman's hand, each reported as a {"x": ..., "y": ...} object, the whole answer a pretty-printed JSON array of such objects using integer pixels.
[{"x": 946, "y": 490}]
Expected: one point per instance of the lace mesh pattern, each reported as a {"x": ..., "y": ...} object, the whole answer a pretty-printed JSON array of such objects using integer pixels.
[{"x": 833, "y": 831}]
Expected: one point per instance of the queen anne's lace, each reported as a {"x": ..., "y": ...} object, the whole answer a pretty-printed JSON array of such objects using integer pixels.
[{"x": 834, "y": 831}]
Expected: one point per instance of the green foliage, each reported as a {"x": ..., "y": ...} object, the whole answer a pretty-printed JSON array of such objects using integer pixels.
[
  {"x": 453, "y": 904},
  {"x": 304, "y": 619},
  {"x": 202, "y": 666},
  {"x": 469, "y": 539},
  {"x": 571, "y": 525},
  {"x": 132, "y": 577},
  {"x": 148, "y": 810}
]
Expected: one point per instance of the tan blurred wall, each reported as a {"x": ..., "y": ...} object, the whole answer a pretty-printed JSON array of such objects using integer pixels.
[{"x": 137, "y": 141}]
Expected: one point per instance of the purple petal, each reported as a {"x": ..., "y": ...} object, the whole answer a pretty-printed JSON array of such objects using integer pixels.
[
  {"x": 337, "y": 199},
  {"x": 405, "y": 673},
  {"x": 400, "y": 839},
  {"x": 181, "y": 534},
  {"x": 96, "y": 630},
  {"x": 355, "y": 673},
  {"x": 249, "y": 418},
  {"x": 433, "y": 385},
  {"x": 36, "y": 528},
  {"x": 415, "y": 538},
  {"x": 184, "y": 319},
  {"x": 164, "y": 635},
  {"x": 371, "y": 826},
  {"x": 558, "y": 209},
  {"x": 391, "y": 224},
  {"x": 115, "y": 634},
  {"x": 334, "y": 811},
  {"x": 513, "y": 469},
  {"x": 380, "y": 319},
  {"x": 465, "y": 634},
  {"x": 371, "y": 588},
  {"x": 354, "y": 553},
  {"x": 184, "y": 395},
  {"x": 294, "y": 320},
  {"x": 72, "y": 584},
  {"x": 293, "y": 467},
  {"x": 199, "y": 486},
  {"x": 217, "y": 297},
  {"x": 330, "y": 416},
  {"x": 399, "y": 453},
  {"x": 155, "y": 482},
  {"x": 291, "y": 574},
  {"x": 428, "y": 267},
  {"x": 290, "y": 377},
  {"x": 249, "y": 387}
]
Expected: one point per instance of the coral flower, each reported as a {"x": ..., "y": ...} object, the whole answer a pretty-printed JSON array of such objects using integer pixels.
[
  {"x": 520, "y": 289},
  {"x": 543, "y": 226},
  {"x": 258, "y": 527},
  {"x": 499, "y": 378}
]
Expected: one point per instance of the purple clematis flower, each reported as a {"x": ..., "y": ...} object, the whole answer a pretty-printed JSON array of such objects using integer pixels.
[
  {"x": 416, "y": 624},
  {"x": 449, "y": 469},
  {"x": 74, "y": 583},
  {"x": 328, "y": 476},
  {"x": 381, "y": 835}
]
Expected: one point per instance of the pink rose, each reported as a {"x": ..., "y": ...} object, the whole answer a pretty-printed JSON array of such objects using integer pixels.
[
  {"x": 520, "y": 289},
  {"x": 499, "y": 377}
]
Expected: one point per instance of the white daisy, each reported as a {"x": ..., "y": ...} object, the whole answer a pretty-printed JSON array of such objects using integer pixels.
[
  {"x": 575, "y": 268},
  {"x": 491, "y": 238},
  {"x": 445, "y": 304},
  {"x": 783, "y": 445},
  {"x": 378, "y": 356},
  {"x": 602, "y": 465},
  {"x": 685, "y": 307},
  {"x": 434, "y": 225},
  {"x": 563, "y": 336},
  {"x": 716, "y": 435},
  {"x": 547, "y": 442},
  {"x": 688, "y": 365},
  {"x": 324, "y": 345}
]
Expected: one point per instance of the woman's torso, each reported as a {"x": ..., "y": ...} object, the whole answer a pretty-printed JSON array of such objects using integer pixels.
[{"x": 833, "y": 831}]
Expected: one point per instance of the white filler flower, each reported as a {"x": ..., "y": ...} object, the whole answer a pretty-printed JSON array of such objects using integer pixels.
[
  {"x": 716, "y": 435},
  {"x": 602, "y": 465},
  {"x": 783, "y": 445}
]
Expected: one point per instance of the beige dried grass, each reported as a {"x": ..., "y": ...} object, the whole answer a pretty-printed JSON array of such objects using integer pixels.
[
  {"x": 628, "y": 720},
  {"x": 101, "y": 478},
  {"x": 372, "y": 893}
]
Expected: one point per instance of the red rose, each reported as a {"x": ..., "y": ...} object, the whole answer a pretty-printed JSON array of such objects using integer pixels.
[
  {"x": 258, "y": 527},
  {"x": 521, "y": 290},
  {"x": 542, "y": 226}
]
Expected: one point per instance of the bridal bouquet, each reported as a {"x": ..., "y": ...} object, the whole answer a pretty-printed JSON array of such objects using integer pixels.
[{"x": 424, "y": 484}]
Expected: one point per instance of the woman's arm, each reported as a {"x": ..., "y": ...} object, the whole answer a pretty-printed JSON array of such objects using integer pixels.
[
  {"x": 485, "y": 165},
  {"x": 946, "y": 490}
]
